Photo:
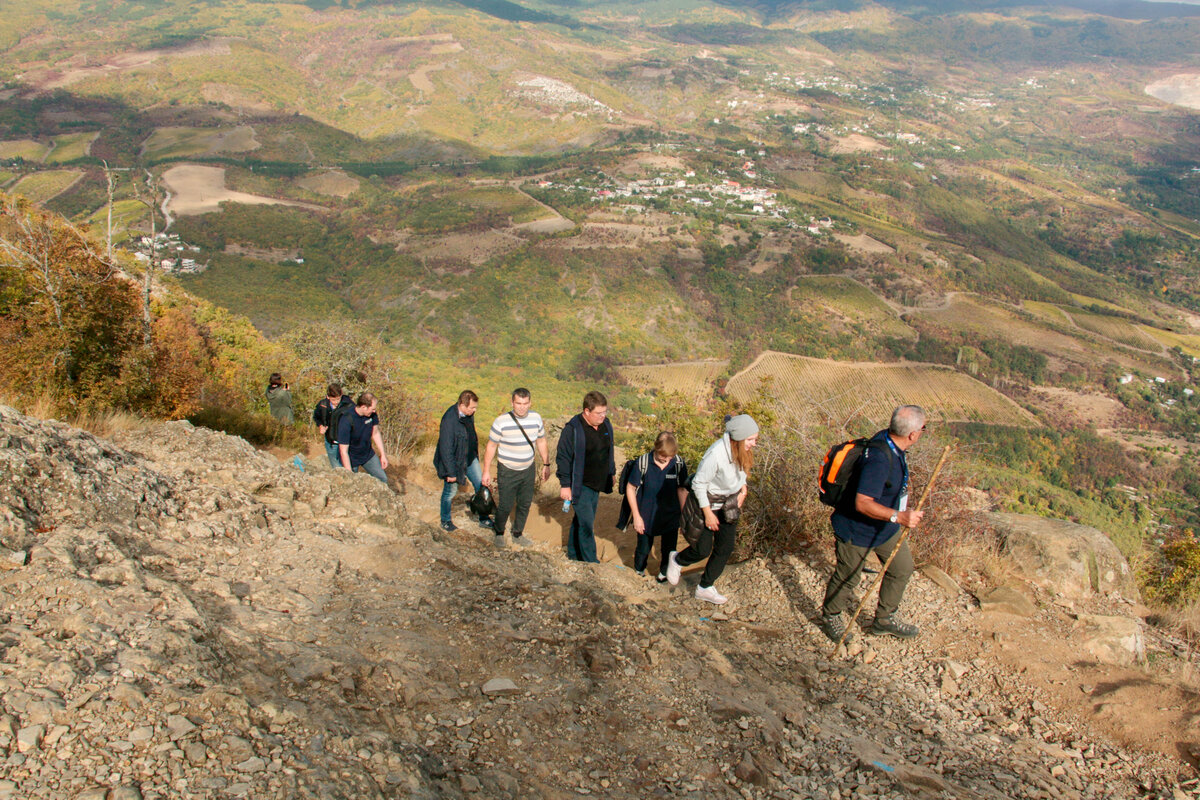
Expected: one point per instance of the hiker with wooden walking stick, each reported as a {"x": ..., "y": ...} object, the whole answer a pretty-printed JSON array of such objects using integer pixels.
[{"x": 870, "y": 502}]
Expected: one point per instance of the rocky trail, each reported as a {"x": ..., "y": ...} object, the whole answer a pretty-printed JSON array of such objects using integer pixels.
[{"x": 182, "y": 616}]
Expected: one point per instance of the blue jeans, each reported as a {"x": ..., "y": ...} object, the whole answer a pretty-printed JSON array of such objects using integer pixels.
[
  {"x": 450, "y": 490},
  {"x": 373, "y": 468},
  {"x": 581, "y": 542},
  {"x": 331, "y": 450}
]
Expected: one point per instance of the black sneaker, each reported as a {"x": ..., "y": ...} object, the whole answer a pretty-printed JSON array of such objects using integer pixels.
[
  {"x": 832, "y": 626},
  {"x": 486, "y": 522},
  {"x": 891, "y": 627},
  {"x": 449, "y": 526},
  {"x": 661, "y": 577}
]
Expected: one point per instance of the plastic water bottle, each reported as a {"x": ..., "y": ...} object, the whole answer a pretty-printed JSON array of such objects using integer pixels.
[{"x": 567, "y": 506}]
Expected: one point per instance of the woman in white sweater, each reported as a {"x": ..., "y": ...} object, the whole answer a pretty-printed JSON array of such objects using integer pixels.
[{"x": 720, "y": 488}]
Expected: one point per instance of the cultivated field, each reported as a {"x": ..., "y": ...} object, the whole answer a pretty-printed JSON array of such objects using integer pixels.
[
  {"x": 849, "y": 299},
  {"x": 185, "y": 142},
  {"x": 197, "y": 189},
  {"x": 71, "y": 146},
  {"x": 994, "y": 320},
  {"x": 692, "y": 379},
  {"x": 42, "y": 186},
  {"x": 864, "y": 244},
  {"x": 1115, "y": 328},
  {"x": 859, "y": 395},
  {"x": 332, "y": 182},
  {"x": 26, "y": 149},
  {"x": 1189, "y": 343},
  {"x": 128, "y": 216},
  {"x": 517, "y": 205}
]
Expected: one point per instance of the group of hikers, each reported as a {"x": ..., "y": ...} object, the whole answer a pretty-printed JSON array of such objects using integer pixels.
[
  {"x": 657, "y": 489},
  {"x": 654, "y": 486},
  {"x": 350, "y": 427},
  {"x": 660, "y": 497}
]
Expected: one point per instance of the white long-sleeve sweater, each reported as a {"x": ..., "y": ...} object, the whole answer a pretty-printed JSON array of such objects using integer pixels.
[{"x": 717, "y": 474}]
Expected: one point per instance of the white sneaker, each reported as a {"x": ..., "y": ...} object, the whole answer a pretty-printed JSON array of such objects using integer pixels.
[
  {"x": 673, "y": 570},
  {"x": 710, "y": 594}
]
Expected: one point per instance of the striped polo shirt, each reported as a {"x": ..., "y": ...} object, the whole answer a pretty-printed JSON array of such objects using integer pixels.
[{"x": 511, "y": 448}]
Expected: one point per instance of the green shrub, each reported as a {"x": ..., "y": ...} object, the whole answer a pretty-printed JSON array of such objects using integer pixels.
[{"x": 1173, "y": 578}]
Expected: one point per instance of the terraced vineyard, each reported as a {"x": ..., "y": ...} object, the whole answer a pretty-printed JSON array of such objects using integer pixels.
[
  {"x": 851, "y": 300},
  {"x": 1115, "y": 328},
  {"x": 25, "y": 149},
  {"x": 858, "y": 395},
  {"x": 692, "y": 379},
  {"x": 42, "y": 186},
  {"x": 178, "y": 142},
  {"x": 1189, "y": 343},
  {"x": 993, "y": 319},
  {"x": 71, "y": 146}
]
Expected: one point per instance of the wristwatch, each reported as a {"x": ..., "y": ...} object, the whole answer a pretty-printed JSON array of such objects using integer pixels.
[{"x": 893, "y": 518}]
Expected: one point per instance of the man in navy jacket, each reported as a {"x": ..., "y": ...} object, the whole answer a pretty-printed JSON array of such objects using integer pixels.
[
  {"x": 456, "y": 457},
  {"x": 869, "y": 522},
  {"x": 586, "y": 465}
]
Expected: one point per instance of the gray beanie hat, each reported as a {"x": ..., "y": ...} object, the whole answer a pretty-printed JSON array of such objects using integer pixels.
[{"x": 741, "y": 427}]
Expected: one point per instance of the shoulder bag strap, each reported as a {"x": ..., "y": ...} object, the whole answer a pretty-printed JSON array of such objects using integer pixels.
[{"x": 521, "y": 428}]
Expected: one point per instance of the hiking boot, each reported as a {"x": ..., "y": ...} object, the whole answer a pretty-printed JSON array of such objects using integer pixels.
[
  {"x": 891, "y": 627},
  {"x": 522, "y": 539},
  {"x": 449, "y": 526},
  {"x": 673, "y": 570},
  {"x": 498, "y": 539},
  {"x": 710, "y": 594},
  {"x": 485, "y": 522},
  {"x": 832, "y": 626}
]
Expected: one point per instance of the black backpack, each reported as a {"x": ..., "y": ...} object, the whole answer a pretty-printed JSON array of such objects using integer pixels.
[
  {"x": 839, "y": 470},
  {"x": 335, "y": 419},
  {"x": 482, "y": 504}
]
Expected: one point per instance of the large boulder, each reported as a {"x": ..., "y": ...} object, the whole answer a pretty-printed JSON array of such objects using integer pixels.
[
  {"x": 1065, "y": 558},
  {"x": 1113, "y": 640}
]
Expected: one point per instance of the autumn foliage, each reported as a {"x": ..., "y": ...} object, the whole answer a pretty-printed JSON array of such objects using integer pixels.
[{"x": 72, "y": 324}]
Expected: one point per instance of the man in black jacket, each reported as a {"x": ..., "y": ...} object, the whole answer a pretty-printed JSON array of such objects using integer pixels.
[
  {"x": 457, "y": 455},
  {"x": 586, "y": 466},
  {"x": 323, "y": 419}
]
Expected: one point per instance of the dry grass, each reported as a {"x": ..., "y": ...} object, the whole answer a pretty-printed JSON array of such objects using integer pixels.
[
  {"x": 105, "y": 423},
  {"x": 109, "y": 423}
]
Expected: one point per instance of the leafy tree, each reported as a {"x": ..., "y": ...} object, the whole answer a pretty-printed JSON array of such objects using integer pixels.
[{"x": 69, "y": 317}]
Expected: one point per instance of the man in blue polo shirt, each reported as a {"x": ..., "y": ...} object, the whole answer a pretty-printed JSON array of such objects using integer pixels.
[
  {"x": 869, "y": 522},
  {"x": 357, "y": 431}
]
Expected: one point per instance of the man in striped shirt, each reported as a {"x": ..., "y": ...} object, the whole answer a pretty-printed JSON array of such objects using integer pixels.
[{"x": 516, "y": 439}]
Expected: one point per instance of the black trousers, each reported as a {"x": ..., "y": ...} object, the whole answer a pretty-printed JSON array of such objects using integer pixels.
[
  {"x": 516, "y": 491},
  {"x": 716, "y": 546},
  {"x": 666, "y": 526}
]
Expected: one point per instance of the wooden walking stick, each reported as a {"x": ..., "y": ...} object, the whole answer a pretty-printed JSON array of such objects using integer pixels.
[{"x": 903, "y": 535}]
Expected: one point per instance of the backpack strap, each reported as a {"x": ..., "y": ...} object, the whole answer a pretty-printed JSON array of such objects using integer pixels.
[{"x": 643, "y": 463}]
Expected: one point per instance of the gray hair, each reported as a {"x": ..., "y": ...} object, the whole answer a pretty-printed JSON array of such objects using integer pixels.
[{"x": 906, "y": 419}]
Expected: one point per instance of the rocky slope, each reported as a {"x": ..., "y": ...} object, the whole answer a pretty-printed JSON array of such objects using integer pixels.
[{"x": 183, "y": 616}]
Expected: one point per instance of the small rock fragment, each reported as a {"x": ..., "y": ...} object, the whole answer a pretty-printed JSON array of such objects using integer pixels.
[{"x": 500, "y": 686}]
